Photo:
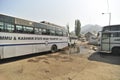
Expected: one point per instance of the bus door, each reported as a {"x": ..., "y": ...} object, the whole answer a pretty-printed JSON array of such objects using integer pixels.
[{"x": 105, "y": 41}]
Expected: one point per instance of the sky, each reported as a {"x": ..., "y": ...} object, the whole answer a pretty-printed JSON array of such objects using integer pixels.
[{"x": 63, "y": 12}]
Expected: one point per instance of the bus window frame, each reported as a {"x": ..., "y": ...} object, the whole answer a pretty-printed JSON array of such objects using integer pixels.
[
  {"x": 2, "y": 27},
  {"x": 11, "y": 26},
  {"x": 19, "y": 31},
  {"x": 26, "y": 29}
]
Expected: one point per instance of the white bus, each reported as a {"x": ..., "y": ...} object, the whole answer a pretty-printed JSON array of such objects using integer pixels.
[
  {"x": 21, "y": 37},
  {"x": 110, "y": 39}
]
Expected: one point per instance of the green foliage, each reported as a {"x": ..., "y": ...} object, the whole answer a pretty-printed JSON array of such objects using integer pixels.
[{"x": 77, "y": 28}]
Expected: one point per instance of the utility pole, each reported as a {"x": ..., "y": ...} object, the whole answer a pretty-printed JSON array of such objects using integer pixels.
[
  {"x": 108, "y": 12},
  {"x": 109, "y": 17}
]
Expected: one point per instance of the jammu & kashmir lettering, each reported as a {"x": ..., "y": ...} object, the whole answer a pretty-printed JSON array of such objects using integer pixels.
[{"x": 26, "y": 38}]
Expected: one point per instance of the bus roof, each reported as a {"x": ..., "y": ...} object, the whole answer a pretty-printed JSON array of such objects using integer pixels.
[
  {"x": 20, "y": 21},
  {"x": 48, "y": 23},
  {"x": 111, "y": 28},
  {"x": 112, "y": 25}
]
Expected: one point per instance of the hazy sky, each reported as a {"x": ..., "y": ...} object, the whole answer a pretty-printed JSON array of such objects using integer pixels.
[{"x": 63, "y": 12}]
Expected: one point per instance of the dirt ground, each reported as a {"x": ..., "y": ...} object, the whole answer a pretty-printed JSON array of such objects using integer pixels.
[{"x": 86, "y": 65}]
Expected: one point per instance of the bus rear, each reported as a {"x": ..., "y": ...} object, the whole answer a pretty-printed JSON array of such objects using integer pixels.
[{"x": 110, "y": 39}]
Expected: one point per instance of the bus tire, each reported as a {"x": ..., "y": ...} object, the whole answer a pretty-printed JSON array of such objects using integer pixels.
[{"x": 54, "y": 48}]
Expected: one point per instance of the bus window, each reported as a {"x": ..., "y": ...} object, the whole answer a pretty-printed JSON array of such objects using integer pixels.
[
  {"x": 106, "y": 29},
  {"x": 9, "y": 27},
  {"x": 118, "y": 34},
  {"x": 115, "y": 28},
  {"x": 38, "y": 31},
  {"x": 56, "y": 33},
  {"x": 28, "y": 29},
  {"x": 64, "y": 33},
  {"x": 19, "y": 28},
  {"x": 48, "y": 31},
  {"x": 1, "y": 26},
  {"x": 52, "y": 32},
  {"x": 114, "y": 34},
  {"x": 44, "y": 31},
  {"x": 106, "y": 35},
  {"x": 59, "y": 33}
]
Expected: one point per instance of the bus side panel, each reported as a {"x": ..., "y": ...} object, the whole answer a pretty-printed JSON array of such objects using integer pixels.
[
  {"x": 105, "y": 44},
  {"x": 65, "y": 43},
  {"x": 40, "y": 48},
  {"x": 45, "y": 47},
  {"x": 114, "y": 42},
  {"x": 105, "y": 47},
  {"x": 1, "y": 52},
  {"x": 62, "y": 45},
  {"x": 23, "y": 50},
  {"x": 9, "y": 51}
]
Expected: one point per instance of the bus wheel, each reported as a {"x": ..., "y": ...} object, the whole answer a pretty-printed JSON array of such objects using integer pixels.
[{"x": 54, "y": 48}]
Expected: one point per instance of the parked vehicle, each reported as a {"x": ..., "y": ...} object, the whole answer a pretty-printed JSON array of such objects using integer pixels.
[
  {"x": 110, "y": 39},
  {"x": 21, "y": 37}
]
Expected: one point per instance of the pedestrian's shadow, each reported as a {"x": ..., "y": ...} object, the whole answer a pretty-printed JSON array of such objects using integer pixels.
[{"x": 105, "y": 57}]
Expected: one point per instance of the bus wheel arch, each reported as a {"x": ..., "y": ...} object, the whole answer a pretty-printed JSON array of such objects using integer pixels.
[
  {"x": 54, "y": 48},
  {"x": 116, "y": 50}
]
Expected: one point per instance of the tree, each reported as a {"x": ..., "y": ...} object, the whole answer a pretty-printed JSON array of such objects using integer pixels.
[{"x": 77, "y": 28}]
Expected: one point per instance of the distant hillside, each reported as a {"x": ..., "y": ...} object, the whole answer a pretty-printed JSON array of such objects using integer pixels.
[{"x": 90, "y": 28}]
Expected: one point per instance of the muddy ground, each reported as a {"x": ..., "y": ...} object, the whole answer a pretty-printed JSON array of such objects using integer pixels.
[{"x": 85, "y": 65}]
